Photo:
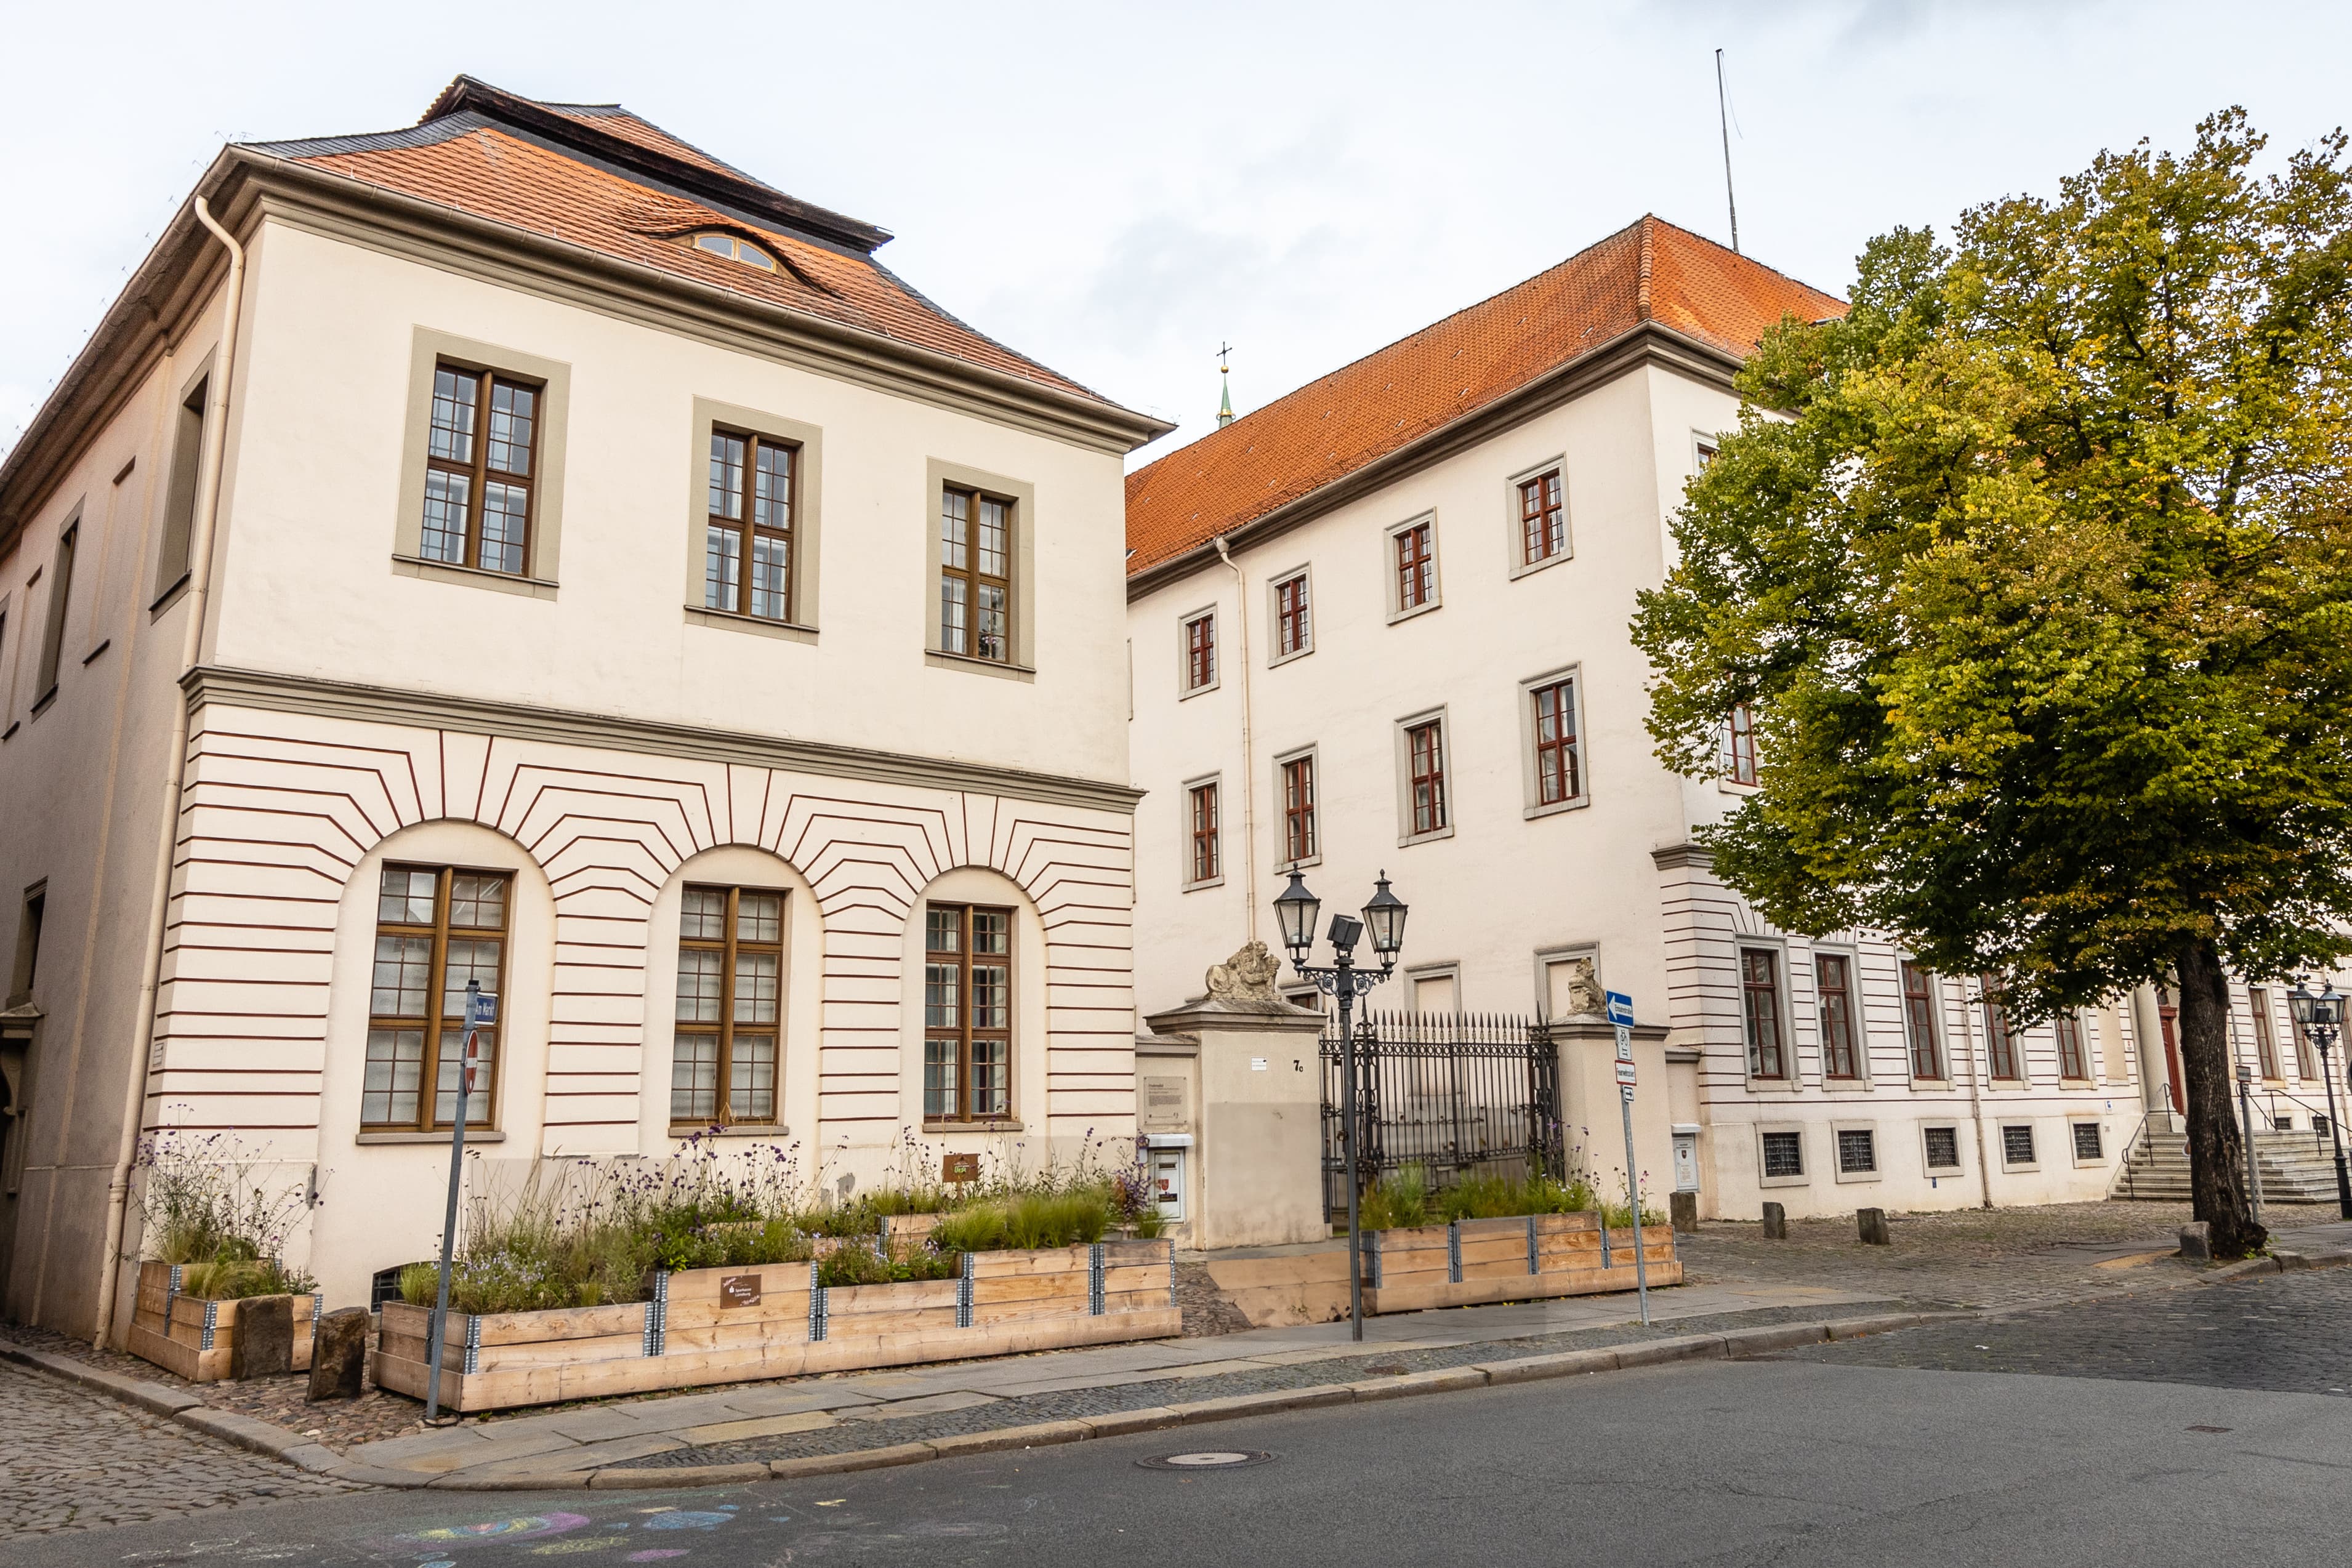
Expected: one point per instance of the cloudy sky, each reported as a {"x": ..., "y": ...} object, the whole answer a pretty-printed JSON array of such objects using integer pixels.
[{"x": 1117, "y": 189}]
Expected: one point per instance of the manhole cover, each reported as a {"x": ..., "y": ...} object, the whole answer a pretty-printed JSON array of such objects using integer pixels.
[{"x": 1215, "y": 1459}]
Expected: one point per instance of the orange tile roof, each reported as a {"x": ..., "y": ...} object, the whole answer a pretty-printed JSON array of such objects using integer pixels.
[
  {"x": 623, "y": 186},
  {"x": 1651, "y": 272}
]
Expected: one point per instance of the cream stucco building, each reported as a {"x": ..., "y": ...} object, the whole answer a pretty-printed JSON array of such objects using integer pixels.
[
  {"x": 579, "y": 567},
  {"x": 1381, "y": 624}
]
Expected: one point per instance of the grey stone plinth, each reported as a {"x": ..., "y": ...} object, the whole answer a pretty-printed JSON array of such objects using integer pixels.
[
  {"x": 264, "y": 1337},
  {"x": 1776, "y": 1223},
  {"x": 1872, "y": 1225},
  {"x": 339, "y": 1354}
]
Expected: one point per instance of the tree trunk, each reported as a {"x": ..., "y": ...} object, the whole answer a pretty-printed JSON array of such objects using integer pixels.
[{"x": 2216, "y": 1153}]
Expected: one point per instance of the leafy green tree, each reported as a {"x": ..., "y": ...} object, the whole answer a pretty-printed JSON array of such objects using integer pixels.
[{"x": 2038, "y": 585}]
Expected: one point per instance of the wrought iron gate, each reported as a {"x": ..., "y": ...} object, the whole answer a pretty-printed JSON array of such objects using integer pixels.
[{"x": 1453, "y": 1093}]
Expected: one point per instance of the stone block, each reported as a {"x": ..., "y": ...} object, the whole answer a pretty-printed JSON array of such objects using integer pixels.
[
  {"x": 264, "y": 1346},
  {"x": 1776, "y": 1223},
  {"x": 1872, "y": 1225},
  {"x": 1684, "y": 1206},
  {"x": 2194, "y": 1244},
  {"x": 339, "y": 1354}
]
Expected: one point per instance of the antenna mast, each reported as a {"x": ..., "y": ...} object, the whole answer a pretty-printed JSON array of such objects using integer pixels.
[{"x": 1723, "y": 119}]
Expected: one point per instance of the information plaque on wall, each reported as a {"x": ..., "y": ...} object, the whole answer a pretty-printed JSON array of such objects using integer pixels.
[{"x": 1160, "y": 1105}]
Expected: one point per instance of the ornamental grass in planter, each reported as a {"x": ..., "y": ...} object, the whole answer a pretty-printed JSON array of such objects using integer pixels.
[
  {"x": 1501, "y": 1237},
  {"x": 215, "y": 1239},
  {"x": 601, "y": 1281}
]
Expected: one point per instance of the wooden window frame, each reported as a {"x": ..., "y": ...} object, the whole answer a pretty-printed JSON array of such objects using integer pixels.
[
  {"x": 1204, "y": 824},
  {"x": 1542, "y": 515},
  {"x": 2073, "y": 1061},
  {"x": 1920, "y": 1015},
  {"x": 1739, "y": 745},
  {"x": 1768, "y": 1062},
  {"x": 2266, "y": 1056},
  {"x": 964, "y": 1034},
  {"x": 971, "y": 579},
  {"x": 2000, "y": 1039},
  {"x": 477, "y": 471},
  {"x": 439, "y": 1029},
  {"x": 1197, "y": 637},
  {"x": 730, "y": 946},
  {"x": 1562, "y": 756},
  {"x": 1295, "y": 789},
  {"x": 1425, "y": 803},
  {"x": 45, "y": 675},
  {"x": 1413, "y": 567},
  {"x": 177, "y": 533},
  {"x": 1842, "y": 1049},
  {"x": 1293, "y": 616},
  {"x": 747, "y": 529}
]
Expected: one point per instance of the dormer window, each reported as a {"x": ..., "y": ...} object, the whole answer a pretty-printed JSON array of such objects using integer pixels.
[{"x": 735, "y": 250}]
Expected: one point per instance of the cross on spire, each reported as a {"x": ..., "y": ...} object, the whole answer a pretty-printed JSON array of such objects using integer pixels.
[{"x": 1225, "y": 384}]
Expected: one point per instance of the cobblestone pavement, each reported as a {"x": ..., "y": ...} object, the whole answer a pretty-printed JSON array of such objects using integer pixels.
[
  {"x": 283, "y": 1401},
  {"x": 992, "y": 1415},
  {"x": 1207, "y": 1310},
  {"x": 2287, "y": 1334},
  {"x": 72, "y": 1460},
  {"x": 1969, "y": 1257}
]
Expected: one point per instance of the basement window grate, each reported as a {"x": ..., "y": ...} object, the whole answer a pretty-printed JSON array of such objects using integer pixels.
[
  {"x": 1784, "y": 1154},
  {"x": 2017, "y": 1144},
  {"x": 2086, "y": 1141},
  {"x": 1857, "y": 1151},
  {"x": 1943, "y": 1148}
]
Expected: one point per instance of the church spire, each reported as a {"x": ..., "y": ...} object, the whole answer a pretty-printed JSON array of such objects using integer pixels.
[{"x": 1225, "y": 399}]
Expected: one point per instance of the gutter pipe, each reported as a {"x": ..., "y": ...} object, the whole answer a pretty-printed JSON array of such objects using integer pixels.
[{"x": 202, "y": 534}]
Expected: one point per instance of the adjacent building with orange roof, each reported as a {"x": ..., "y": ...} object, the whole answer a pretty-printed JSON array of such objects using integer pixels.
[
  {"x": 1379, "y": 624},
  {"x": 523, "y": 548}
]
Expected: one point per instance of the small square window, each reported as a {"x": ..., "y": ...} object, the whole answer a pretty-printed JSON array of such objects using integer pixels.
[
  {"x": 1943, "y": 1148},
  {"x": 1857, "y": 1151},
  {"x": 2086, "y": 1141},
  {"x": 2017, "y": 1144},
  {"x": 1784, "y": 1154}
]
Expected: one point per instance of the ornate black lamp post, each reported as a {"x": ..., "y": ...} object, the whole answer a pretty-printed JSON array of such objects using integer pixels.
[
  {"x": 2322, "y": 1018},
  {"x": 1384, "y": 916}
]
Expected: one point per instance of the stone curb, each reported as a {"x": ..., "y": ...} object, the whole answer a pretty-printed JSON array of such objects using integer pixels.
[
  {"x": 261, "y": 1436},
  {"x": 2277, "y": 1263}
]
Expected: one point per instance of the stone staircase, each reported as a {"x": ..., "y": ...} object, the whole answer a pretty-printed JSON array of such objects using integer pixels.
[{"x": 2296, "y": 1168}]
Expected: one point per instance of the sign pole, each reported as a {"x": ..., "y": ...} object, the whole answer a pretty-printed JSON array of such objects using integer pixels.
[
  {"x": 479, "y": 1010},
  {"x": 1621, "y": 1013}
]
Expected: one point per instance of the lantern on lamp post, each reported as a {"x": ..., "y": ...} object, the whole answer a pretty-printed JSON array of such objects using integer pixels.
[
  {"x": 1383, "y": 916},
  {"x": 2321, "y": 1017}
]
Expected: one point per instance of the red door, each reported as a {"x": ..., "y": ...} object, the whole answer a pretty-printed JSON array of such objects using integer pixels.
[{"x": 2172, "y": 1059}]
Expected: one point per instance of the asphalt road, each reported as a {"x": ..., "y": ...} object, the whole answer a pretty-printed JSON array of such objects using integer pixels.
[{"x": 1814, "y": 1459}]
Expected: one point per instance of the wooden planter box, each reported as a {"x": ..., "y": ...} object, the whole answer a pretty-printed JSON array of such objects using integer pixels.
[
  {"x": 1477, "y": 1260},
  {"x": 738, "y": 1326},
  {"x": 1528, "y": 1258},
  {"x": 195, "y": 1337}
]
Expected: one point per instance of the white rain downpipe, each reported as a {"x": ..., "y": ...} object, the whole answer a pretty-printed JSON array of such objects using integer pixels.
[
  {"x": 175, "y": 772},
  {"x": 1249, "y": 762}
]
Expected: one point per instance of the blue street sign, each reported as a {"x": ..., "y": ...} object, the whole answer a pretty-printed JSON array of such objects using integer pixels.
[
  {"x": 1621, "y": 1008},
  {"x": 481, "y": 1008}
]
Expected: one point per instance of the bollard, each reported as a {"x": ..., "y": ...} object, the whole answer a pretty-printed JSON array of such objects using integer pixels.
[
  {"x": 339, "y": 1354},
  {"x": 1872, "y": 1223},
  {"x": 264, "y": 1346},
  {"x": 1684, "y": 1206},
  {"x": 1776, "y": 1223},
  {"x": 2194, "y": 1244}
]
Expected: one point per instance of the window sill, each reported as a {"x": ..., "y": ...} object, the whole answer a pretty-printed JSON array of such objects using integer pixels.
[
  {"x": 1734, "y": 787},
  {"x": 1290, "y": 658},
  {"x": 1859, "y": 1175},
  {"x": 1185, "y": 695},
  {"x": 1931, "y": 1085},
  {"x": 1574, "y": 803},
  {"x": 12, "y": 730},
  {"x": 1945, "y": 1172},
  {"x": 168, "y": 598},
  {"x": 1773, "y": 1085},
  {"x": 1784, "y": 1181},
  {"x": 472, "y": 577},
  {"x": 1853, "y": 1087},
  {"x": 91, "y": 657},
  {"x": 41, "y": 703},
  {"x": 1406, "y": 841},
  {"x": 2008, "y": 1169},
  {"x": 736, "y": 1130},
  {"x": 1530, "y": 567},
  {"x": 728, "y": 621},
  {"x": 939, "y": 661},
  {"x": 1397, "y": 616},
  {"x": 1204, "y": 886},
  {"x": 998, "y": 1125},
  {"x": 473, "y": 1135}
]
